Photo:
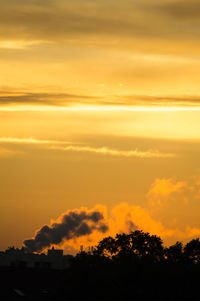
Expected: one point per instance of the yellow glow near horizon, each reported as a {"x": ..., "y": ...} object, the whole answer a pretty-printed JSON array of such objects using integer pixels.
[{"x": 102, "y": 108}]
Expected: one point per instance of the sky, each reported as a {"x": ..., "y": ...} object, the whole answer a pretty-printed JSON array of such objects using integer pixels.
[{"x": 100, "y": 108}]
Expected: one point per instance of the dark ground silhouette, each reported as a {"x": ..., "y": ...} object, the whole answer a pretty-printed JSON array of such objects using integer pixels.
[{"x": 132, "y": 266}]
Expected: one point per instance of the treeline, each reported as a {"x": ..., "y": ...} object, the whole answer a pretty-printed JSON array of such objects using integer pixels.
[
  {"x": 135, "y": 266},
  {"x": 141, "y": 246}
]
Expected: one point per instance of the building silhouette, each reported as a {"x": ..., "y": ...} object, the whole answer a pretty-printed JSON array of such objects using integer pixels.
[{"x": 19, "y": 258}]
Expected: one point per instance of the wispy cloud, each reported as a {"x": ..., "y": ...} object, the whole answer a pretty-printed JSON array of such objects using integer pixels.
[
  {"x": 14, "y": 98},
  {"x": 116, "y": 152},
  {"x": 159, "y": 100},
  {"x": 76, "y": 147},
  {"x": 70, "y": 102},
  {"x": 30, "y": 141}
]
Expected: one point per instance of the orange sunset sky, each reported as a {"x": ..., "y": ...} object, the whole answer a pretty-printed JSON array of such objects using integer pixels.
[{"x": 100, "y": 106}]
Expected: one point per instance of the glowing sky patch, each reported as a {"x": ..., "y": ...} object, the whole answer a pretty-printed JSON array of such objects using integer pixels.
[
  {"x": 99, "y": 103},
  {"x": 100, "y": 108}
]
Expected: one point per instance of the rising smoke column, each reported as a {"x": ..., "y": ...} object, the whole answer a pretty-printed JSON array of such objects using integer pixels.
[{"x": 72, "y": 224}]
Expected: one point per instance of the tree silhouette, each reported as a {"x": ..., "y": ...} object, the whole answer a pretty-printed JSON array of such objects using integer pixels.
[
  {"x": 123, "y": 244},
  {"x": 146, "y": 246},
  {"x": 136, "y": 244},
  {"x": 106, "y": 247},
  {"x": 174, "y": 253},
  {"x": 192, "y": 251}
]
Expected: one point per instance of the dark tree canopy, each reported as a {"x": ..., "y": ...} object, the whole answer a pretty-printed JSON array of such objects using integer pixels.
[
  {"x": 141, "y": 246},
  {"x": 192, "y": 251},
  {"x": 136, "y": 244}
]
